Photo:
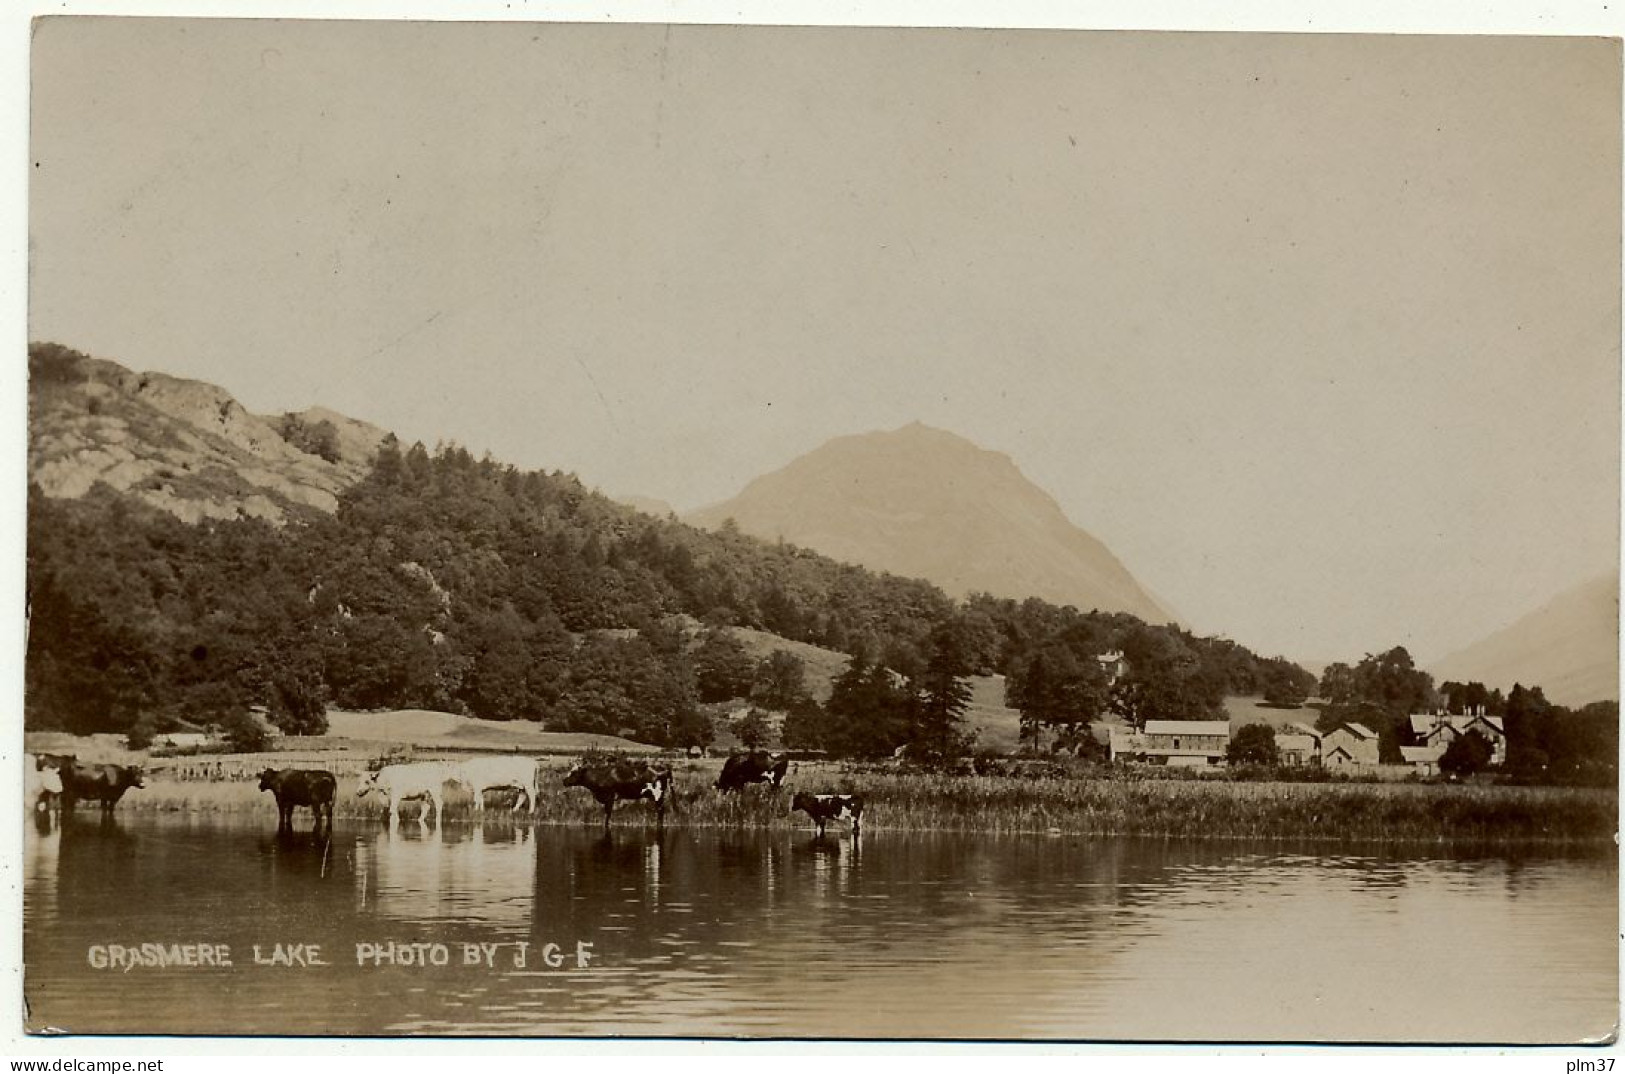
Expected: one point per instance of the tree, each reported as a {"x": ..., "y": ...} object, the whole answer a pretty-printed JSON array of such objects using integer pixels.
[
  {"x": 1527, "y": 711},
  {"x": 623, "y": 686},
  {"x": 723, "y": 669},
  {"x": 1059, "y": 689},
  {"x": 1583, "y": 746},
  {"x": 1462, "y": 698},
  {"x": 779, "y": 681},
  {"x": 1253, "y": 744},
  {"x": 296, "y": 706},
  {"x": 805, "y": 727},
  {"x": 244, "y": 733},
  {"x": 1166, "y": 680},
  {"x": 320, "y": 438},
  {"x": 752, "y": 729},
  {"x": 1337, "y": 684},
  {"x": 141, "y": 733},
  {"x": 1466, "y": 755},
  {"x": 944, "y": 696},
  {"x": 1284, "y": 683},
  {"x": 870, "y": 714},
  {"x": 497, "y": 685}
]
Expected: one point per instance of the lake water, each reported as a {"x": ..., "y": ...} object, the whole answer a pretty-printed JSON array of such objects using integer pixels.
[{"x": 775, "y": 934}]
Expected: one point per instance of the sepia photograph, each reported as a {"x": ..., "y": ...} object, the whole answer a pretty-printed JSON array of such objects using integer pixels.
[{"x": 637, "y": 530}]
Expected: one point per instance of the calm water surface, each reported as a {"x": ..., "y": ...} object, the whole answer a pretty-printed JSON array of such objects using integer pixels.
[{"x": 719, "y": 933}]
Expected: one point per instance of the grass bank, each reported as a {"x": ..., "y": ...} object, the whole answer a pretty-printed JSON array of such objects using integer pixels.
[{"x": 1217, "y": 809}]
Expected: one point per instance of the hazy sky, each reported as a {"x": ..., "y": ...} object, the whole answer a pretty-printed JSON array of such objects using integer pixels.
[{"x": 1319, "y": 334}]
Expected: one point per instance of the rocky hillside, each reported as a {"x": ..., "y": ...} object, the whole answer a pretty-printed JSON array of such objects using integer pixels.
[
  {"x": 924, "y": 503},
  {"x": 1569, "y": 647},
  {"x": 183, "y": 446}
]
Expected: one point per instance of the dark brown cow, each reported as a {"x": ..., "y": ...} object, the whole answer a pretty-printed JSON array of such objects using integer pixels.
[
  {"x": 295, "y": 787},
  {"x": 823, "y": 808},
  {"x": 106, "y": 783},
  {"x": 623, "y": 780},
  {"x": 757, "y": 766}
]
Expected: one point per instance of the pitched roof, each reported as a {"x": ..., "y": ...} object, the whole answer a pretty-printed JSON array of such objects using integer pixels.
[
  {"x": 1359, "y": 730},
  {"x": 1295, "y": 742},
  {"x": 1304, "y": 729},
  {"x": 1421, "y": 754},
  {"x": 1188, "y": 727},
  {"x": 1424, "y": 723}
]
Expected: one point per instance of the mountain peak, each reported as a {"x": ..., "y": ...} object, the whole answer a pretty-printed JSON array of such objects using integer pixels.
[
  {"x": 1569, "y": 647},
  {"x": 924, "y": 502}
]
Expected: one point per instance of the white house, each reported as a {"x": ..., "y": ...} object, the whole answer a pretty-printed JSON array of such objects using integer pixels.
[
  {"x": 1187, "y": 742},
  {"x": 1425, "y": 759},
  {"x": 1298, "y": 745},
  {"x": 1112, "y": 664},
  {"x": 1350, "y": 744}
]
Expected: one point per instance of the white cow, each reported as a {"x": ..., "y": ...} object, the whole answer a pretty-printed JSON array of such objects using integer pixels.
[
  {"x": 42, "y": 784},
  {"x": 424, "y": 779},
  {"x": 481, "y": 774}
]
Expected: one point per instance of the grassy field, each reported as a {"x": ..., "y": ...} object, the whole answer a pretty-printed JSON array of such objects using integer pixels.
[{"x": 1366, "y": 813}]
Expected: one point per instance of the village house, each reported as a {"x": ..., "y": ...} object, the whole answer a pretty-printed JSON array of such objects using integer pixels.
[
  {"x": 1298, "y": 745},
  {"x": 1425, "y": 759},
  {"x": 1113, "y": 665},
  {"x": 1350, "y": 744},
  {"x": 1125, "y": 744},
  {"x": 1184, "y": 743},
  {"x": 1437, "y": 730}
]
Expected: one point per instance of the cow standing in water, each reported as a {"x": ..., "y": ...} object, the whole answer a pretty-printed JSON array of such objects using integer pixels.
[
  {"x": 481, "y": 774},
  {"x": 106, "y": 783},
  {"x": 294, "y": 787},
  {"x": 426, "y": 779},
  {"x": 623, "y": 779},
  {"x": 757, "y": 766},
  {"x": 823, "y": 808},
  {"x": 42, "y": 783}
]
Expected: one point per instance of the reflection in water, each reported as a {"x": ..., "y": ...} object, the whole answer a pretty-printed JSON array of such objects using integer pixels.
[
  {"x": 780, "y": 933},
  {"x": 431, "y": 876},
  {"x": 294, "y": 855}
]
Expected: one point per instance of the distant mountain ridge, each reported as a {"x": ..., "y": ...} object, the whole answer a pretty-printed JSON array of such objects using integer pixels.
[
  {"x": 924, "y": 503},
  {"x": 184, "y": 446},
  {"x": 1569, "y": 647}
]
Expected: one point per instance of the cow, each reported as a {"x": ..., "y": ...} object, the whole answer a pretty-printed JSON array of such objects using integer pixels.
[
  {"x": 623, "y": 779},
  {"x": 294, "y": 787},
  {"x": 481, "y": 774},
  {"x": 823, "y": 808},
  {"x": 42, "y": 784},
  {"x": 757, "y": 766},
  {"x": 425, "y": 779},
  {"x": 104, "y": 782}
]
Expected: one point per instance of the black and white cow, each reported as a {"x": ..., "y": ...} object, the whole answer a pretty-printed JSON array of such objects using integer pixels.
[
  {"x": 623, "y": 780},
  {"x": 823, "y": 808},
  {"x": 757, "y": 766}
]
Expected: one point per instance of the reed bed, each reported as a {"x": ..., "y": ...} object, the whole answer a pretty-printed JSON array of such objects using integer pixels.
[{"x": 917, "y": 801}]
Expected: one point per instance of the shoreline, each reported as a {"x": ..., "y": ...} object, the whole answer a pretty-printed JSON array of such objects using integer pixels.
[{"x": 1347, "y": 814}]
